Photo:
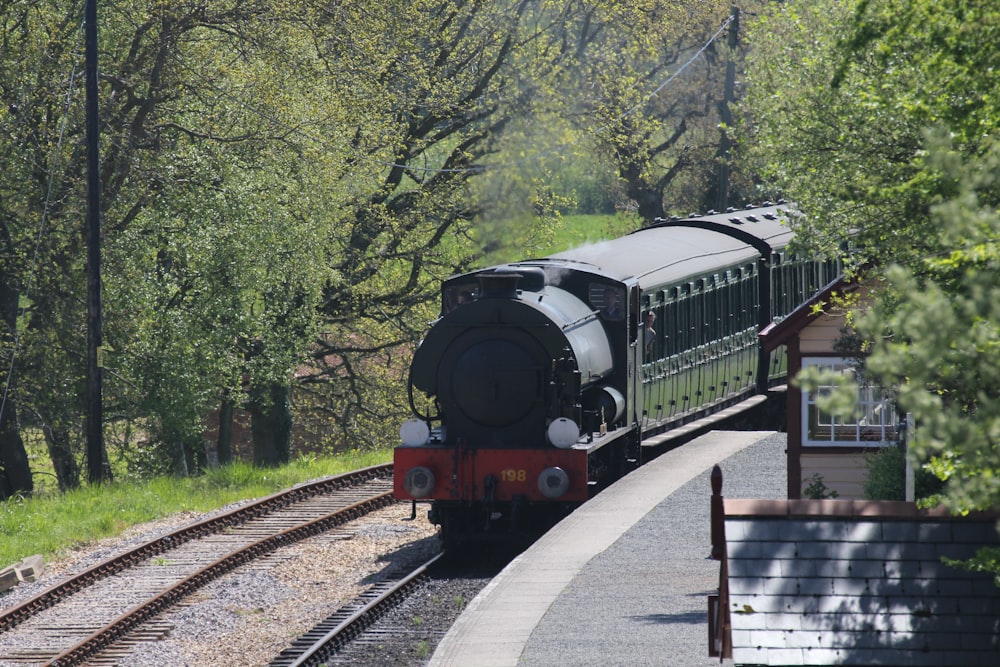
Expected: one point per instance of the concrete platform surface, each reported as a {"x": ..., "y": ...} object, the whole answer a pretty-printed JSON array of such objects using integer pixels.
[{"x": 624, "y": 579}]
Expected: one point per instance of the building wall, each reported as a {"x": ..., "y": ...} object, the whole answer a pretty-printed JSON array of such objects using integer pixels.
[
  {"x": 842, "y": 469},
  {"x": 843, "y": 472},
  {"x": 836, "y": 582},
  {"x": 820, "y": 335}
]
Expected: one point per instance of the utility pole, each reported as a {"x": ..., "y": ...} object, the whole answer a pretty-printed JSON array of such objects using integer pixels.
[
  {"x": 96, "y": 471},
  {"x": 726, "y": 112}
]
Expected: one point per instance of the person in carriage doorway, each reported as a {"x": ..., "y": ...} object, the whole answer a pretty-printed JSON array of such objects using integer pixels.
[
  {"x": 649, "y": 333},
  {"x": 612, "y": 309}
]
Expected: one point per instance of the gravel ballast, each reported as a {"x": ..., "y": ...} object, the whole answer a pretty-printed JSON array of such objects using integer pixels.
[{"x": 250, "y": 615}]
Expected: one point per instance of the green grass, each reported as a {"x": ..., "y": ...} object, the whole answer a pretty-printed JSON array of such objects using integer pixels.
[{"x": 52, "y": 523}]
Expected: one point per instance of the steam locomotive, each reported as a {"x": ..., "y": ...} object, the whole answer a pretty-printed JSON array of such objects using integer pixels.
[{"x": 542, "y": 378}]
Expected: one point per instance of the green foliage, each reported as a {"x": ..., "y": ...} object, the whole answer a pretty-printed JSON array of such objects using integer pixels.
[
  {"x": 886, "y": 475},
  {"x": 986, "y": 559},
  {"x": 817, "y": 489},
  {"x": 663, "y": 138},
  {"x": 935, "y": 336},
  {"x": 841, "y": 96},
  {"x": 284, "y": 186}
]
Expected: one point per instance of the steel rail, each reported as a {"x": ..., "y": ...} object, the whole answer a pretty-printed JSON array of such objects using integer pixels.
[
  {"x": 117, "y": 629},
  {"x": 318, "y": 650},
  {"x": 52, "y": 595}
]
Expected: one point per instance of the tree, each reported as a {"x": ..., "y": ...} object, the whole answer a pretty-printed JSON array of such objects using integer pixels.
[
  {"x": 39, "y": 263},
  {"x": 882, "y": 123},
  {"x": 285, "y": 185},
  {"x": 431, "y": 89},
  {"x": 228, "y": 254},
  {"x": 650, "y": 95},
  {"x": 936, "y": 338},
  {"x": 193, "y": 142},
  {"x": 840, "y": 97}
]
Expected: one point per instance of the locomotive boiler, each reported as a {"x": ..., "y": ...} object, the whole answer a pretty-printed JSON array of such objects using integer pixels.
[{"x": 541, "y": 379}]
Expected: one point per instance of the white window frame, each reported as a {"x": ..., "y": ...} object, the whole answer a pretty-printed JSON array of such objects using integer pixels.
[{"x": 875, "y": 427}]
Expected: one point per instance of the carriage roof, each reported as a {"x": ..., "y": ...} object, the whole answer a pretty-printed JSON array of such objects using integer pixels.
[{"x": 671, "y": 250}]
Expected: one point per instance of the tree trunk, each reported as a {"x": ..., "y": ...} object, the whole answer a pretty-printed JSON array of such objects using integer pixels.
[
  {"x": 271, "y": 425},
  {"x": 194, "y": 455},
  {"x": 174, "y": 441},
  {"x": 224, "y": 446},
  {"x": 15, "y": 474},
  {"x": 64, "y": 463},
  {"x": 649, "y": 203}
]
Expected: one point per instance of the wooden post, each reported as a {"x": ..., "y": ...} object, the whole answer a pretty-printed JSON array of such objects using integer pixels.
[
  {"x": 97, "y": 470},
  {"x": 718, "y": 520}
]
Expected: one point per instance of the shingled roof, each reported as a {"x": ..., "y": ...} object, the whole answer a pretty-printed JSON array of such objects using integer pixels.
[{"x": 839, "y": 582}]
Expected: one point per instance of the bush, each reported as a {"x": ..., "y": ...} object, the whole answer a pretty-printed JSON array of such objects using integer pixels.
[
  {"x": 887, "y": 477},
  {"x": 817, "y": 489}
]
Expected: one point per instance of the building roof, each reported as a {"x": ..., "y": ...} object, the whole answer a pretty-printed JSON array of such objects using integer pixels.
[{"x": 837, "y": 582}]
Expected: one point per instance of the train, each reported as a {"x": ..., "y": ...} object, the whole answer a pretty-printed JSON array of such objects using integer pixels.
[{"x": 541, "y": 379}]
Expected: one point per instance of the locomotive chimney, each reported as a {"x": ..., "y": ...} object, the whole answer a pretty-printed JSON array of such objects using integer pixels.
[{"x": 498, "y": 285}]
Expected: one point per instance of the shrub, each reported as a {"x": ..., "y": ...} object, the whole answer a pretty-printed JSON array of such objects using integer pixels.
[
  {"x": 817, "y": 489},
  {"x": 887, "y": 476}
]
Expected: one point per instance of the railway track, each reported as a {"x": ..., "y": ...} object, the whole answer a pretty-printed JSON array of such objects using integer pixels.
[
  {"x": 74, "y": 621},
  {"x": 315, "y": 648}
]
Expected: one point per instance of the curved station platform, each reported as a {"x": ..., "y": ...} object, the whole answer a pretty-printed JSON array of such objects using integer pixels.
[{"x": 625, "y": 579}]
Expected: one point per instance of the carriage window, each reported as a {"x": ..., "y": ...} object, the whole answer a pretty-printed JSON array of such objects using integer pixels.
[
  {"x": 748, "y": 297},
  {"x": 633, "y": 325},
  {"x": 697, "y": 315},
  {"x": 651, "y": 327},
  {"x": 668, "y": 327}
]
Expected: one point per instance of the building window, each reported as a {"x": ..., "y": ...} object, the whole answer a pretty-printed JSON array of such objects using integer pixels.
[{"x": 873, "y": 424}]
